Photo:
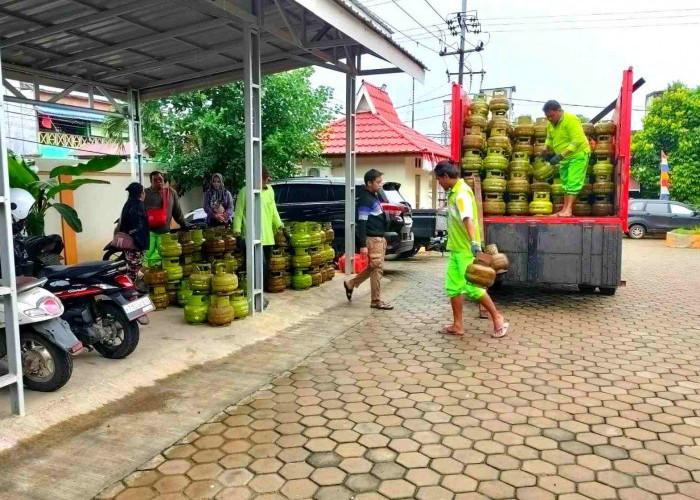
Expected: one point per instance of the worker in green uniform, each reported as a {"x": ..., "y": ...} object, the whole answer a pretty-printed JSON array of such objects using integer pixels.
[
  {"x": 568, "y": 146},
  {"x": 463, "y": 242},
  {"x": 270, "y": 221}
]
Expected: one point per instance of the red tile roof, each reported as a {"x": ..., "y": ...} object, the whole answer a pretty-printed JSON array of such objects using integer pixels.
[{"x": 380, "y": 131}]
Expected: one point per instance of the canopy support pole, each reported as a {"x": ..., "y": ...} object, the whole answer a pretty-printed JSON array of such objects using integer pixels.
[
  {"x": 135, "y": 135},
  {"x": 8, "y": 285},
  {"x": 253, "y": 166},
  {"x": 350, "y": 163}
]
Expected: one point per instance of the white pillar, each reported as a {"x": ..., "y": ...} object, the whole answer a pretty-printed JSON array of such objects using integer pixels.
[
  {"x": 8, "y": 286},
  {"x": 253, "y": 167},
  {"x": 350, "y": 164},
  {"x": 135, "y": 135}
]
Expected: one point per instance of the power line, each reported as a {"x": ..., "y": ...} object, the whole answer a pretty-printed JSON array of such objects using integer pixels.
[
  {"x": 435, "y": 10},
  {"x": 587, "y": 27},
  {"x": 425, "y": 100},
  {"x": 592, "y": 14},
  {"x": 421, "y": 25},
  {"x": 530, "y": 30}
]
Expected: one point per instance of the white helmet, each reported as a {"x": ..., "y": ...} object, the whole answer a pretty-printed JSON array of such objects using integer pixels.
[{"x": 21, "y": 202}]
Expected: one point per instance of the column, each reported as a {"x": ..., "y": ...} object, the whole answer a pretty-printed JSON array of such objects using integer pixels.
[
  {"x": 350, "y": 163},
  {"x": 8, "y": 286},
  {"x": 253, "y": 167}
]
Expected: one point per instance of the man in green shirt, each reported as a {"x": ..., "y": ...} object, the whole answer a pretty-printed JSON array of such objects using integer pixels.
[
  {"x": 463, "y": 242},
  {"x": 270, "y": 220},
  {"x": 567, "y": 145}
]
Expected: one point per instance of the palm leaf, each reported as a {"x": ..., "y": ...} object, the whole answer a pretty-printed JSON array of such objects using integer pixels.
[
  {"x": 70, "y": 216},
  {"x": 71, "y": 186},
  {"x": 98, "y": 164}
]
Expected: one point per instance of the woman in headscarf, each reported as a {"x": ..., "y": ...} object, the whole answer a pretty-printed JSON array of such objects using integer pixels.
[
  {"x": 134, "y": 222},
  {"x": 218, "y": 203}
]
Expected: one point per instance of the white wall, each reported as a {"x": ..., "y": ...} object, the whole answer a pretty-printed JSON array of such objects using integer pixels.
[
  {"x": 396, "y": 168},
  {"x": 98, "y": 205}
]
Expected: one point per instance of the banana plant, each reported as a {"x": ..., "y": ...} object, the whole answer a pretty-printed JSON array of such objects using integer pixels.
[{"x": 44, "y": 191}]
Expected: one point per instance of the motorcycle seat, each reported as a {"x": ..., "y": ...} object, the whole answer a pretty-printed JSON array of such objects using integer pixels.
[{"x": 83, "y": 270}]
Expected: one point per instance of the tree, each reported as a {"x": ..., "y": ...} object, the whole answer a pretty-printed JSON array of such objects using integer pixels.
[
  {"x": 198, "y": 133},
  {"x": 672, "y": 125},
  {"x": 23, "y": 177}
]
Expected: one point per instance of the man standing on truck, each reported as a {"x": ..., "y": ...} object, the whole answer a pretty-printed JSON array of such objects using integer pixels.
[
  {"x": 371, "y": 226},
  {"x": 464, "y": 243},
  {"x": 568, "y": 146}
]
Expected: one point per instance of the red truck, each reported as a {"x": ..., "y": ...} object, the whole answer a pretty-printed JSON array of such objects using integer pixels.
[{"x": 583, "y": 251}]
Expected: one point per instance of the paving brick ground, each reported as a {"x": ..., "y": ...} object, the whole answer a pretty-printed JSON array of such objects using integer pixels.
[{"x": 588, "y": 397}]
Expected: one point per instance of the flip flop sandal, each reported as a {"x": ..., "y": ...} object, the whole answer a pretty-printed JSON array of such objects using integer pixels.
[
  {"x": 348, "y": 291},
  {"x": 500, "y": 332},
  {"x": 382, "y": 306}
]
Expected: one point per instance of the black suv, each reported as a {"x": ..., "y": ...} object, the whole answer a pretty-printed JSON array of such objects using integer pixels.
[
  {"x": 659, "y": 216},
  {"x": 322, "y": 199}
]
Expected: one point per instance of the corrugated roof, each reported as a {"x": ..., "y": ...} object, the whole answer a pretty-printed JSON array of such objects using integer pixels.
[{"x": 379, "y": 130}]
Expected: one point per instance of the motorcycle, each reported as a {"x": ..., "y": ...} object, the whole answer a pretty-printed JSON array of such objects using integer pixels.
[
  {"x": 46, "y": 341},
  {"x": 102, "y": 305}
]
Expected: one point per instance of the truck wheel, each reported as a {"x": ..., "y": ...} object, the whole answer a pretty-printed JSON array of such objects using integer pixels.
[
  {"x": 124, "y": 334},
  {"x": 609, "y": 291},
  {"x": 46, "y": 367},
  {"x": 586, "y": 288},
  {"x": 637, "y": 231}
]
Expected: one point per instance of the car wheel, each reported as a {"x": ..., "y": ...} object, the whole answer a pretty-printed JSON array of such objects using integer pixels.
[
  {"x": 609, "y": 291},
  {"x": 586, "y": 288},
  {"x": 637, "y": 231}
]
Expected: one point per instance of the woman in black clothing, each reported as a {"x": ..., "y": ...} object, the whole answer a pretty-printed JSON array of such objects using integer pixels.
[{"x": 134, "y": 222}]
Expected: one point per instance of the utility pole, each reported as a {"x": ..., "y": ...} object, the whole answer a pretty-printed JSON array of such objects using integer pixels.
[
  {"x": 413, "y": 102},
  {"x": 461, "y": 44},
  {"x": 468, "y": 22}
]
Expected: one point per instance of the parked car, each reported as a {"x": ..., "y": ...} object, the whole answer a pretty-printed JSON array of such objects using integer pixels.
[
  {"x": 659, "y": 216},
  {"x": 197, "y": 218},
  {"x": 322, "y": 199},
  {"x": 429, "y": 225}
]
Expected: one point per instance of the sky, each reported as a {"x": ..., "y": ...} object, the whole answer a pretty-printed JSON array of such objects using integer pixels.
[{"x": 571, "y": 51}]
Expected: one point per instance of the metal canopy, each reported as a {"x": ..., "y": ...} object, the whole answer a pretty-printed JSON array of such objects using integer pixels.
[{"x": 163, "y": 47}]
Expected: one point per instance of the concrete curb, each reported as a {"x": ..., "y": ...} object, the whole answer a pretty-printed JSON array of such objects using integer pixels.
[{"x": 675, "y": 240}]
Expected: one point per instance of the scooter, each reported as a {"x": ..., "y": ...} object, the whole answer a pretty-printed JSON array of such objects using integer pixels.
[
  {"x": 101, "y": 303},
  {"x": 46, "y": 341}
]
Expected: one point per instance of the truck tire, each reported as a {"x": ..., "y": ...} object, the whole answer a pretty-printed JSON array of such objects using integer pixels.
[
  {"x": 46, "y": 366},
  {"x": 637, "y": 231},
  {"x": 608, "y": 290},
  {"x": 586, "y": 288}
]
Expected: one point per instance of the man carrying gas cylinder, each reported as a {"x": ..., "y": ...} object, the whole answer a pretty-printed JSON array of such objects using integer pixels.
[
  {"x": 567, "y": 146},
  {"x": 464, "y": 243}
]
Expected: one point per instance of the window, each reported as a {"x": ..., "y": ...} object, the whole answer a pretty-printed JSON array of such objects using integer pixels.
[
  {"x": 307, "y": 193},
  {"x": 680, "y": 210},
  {"x": 280, "y": 192},
  {"x": 338, "y": 192},
  {"x": 657, "y": 208},
  {"x": 637, "y": 206}
]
